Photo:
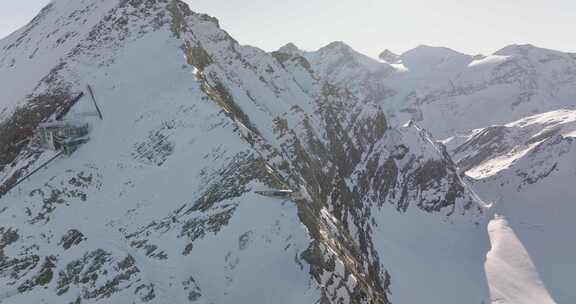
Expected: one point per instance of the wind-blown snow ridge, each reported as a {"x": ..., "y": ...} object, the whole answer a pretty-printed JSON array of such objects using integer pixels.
[
  {"x": 510, "y": 270},
  {"x": 523, "y": 166},
  {"x": 487, "y": 151}
]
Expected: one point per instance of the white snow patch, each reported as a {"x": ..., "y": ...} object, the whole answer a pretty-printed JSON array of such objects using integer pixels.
[{"x": 511, "y": 274}]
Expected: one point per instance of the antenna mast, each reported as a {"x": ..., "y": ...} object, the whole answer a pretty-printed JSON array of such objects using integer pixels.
[{"x": 95, "y": 103}]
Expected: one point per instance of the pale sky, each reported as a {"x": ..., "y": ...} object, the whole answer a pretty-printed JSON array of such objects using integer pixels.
[{"x": 370, "y": 26}]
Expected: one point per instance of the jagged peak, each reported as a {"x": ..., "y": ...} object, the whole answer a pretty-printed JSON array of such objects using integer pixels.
[
  {"x": 336, "y": 46},
  {"x": 290, "y": 48},
  {"x": 342, "y": 62},
  {"x": 182, "y": 5},
  {"x": 389, "y": 56},
  {"x": 339, "y": 48}
]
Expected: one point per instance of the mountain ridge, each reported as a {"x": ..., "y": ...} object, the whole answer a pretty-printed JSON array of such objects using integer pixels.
[{"x": 162, "y": 203}]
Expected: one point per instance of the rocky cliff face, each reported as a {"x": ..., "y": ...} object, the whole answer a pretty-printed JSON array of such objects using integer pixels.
[
  {"x": 507, "y": 121},
  {"x": 159, "y": 206}
]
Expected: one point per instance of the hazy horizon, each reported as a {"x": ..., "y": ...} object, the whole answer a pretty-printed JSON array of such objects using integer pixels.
[{"x": 373, "y": 26}]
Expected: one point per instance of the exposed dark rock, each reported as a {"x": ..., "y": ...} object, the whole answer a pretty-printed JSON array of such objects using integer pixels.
[{"x": 71, "y": 238}]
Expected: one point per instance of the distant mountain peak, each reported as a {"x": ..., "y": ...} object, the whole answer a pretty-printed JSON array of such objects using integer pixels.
[
  {"x": 290, "y": 48},
  {"x": 432, "y": 51},
  {"x": 336, "y": 45},
  {"x": 162, "y": 209},
  {"x": 516, "y": 48},
  {"x": 425, "y": 57},
  {"x": 523, "y": 50},
  {"x": 389, "y": 56}
]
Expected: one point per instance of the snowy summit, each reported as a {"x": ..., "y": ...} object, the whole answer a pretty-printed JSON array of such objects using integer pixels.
[{"x": 147, "y": 157}]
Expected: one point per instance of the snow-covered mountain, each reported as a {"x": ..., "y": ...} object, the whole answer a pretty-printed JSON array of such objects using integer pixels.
[
  {"x": 160, "y": 205},
  {"x": 164, "y": 204},
  {"x": 528, "y": 168},
  {"x": 449, "y": 92},
  {"x": 508, "y": 122}
]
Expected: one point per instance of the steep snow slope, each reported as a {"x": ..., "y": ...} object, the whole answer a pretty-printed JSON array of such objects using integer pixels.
[
  {"x": 117, "y": 220},
  {"x": 449, "y": 92},
  {"x": 485, "y": 152},
  {"x": 526, "y": 167},
  {"x": 506, "y": 86},
  {"x": 339, "y": 64},
  {"x": 520, "y": 166},
  {"x": 159, "y": 206},
  {"x": 29, "y": 54},
  {"x": 512, "y": 276},
  {"x": 419, "y": 246},
  {"x": 414, "y": 245}
]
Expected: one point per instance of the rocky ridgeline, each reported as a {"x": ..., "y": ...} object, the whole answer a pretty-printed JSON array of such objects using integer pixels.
[{"x": 311, "y": 122}]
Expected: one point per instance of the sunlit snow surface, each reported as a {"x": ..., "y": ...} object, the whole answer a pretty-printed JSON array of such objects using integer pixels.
[
  {"x": 532, "y": 256},
  {"x": 135, "y": 202},
  {"x": 511, "y": 274},
  {"x": 145, "y": 90}
]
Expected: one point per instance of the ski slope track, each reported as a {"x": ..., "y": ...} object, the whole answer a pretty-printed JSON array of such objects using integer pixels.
[{"x": 161, "y": 204}]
